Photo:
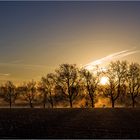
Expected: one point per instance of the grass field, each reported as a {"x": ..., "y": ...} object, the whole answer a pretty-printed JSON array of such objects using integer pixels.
[{"x": 70, "y": 123}]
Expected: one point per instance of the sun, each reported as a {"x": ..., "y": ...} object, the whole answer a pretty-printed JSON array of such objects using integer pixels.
[{"x": 104, "y": 80}]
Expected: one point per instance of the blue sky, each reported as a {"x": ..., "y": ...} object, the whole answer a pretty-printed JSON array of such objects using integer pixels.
[{"x": 35, "y": 37}]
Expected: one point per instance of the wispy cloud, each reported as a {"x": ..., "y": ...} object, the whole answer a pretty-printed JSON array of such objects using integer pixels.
[
  {"x": 5, "y": 74},
  {"x": 111, "y": 57}
]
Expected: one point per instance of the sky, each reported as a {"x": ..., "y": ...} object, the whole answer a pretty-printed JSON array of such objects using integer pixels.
[{"x": 36, "y": 37}]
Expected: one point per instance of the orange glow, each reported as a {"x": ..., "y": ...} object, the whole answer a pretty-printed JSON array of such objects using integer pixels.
[{"x": 104, "y": 80}]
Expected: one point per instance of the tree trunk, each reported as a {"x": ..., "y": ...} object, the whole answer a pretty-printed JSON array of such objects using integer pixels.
[
  {"x": 44, "y": 101},
  {"x": 91, "y": 96},
  {"x": 133, "y": 102},
  {"x": 52, "y": 104},
  {"x": 92, "y": 99},
  {"x": 51, "y": 100},
  {"x": 10, "y": 102},
  {"x": 44, "y": 105},
  {"x": 92, "y": 103},
  {"x": 31, "y": 104},
  {"x": 71, "y": 103},
  {"x": 113, "y": 103}
]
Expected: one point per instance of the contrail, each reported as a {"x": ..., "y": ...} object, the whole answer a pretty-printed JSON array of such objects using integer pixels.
[{"x": 110, "y": 57}]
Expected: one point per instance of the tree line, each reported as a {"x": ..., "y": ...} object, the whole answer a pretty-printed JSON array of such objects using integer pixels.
[{"x": 72, "y": 84}]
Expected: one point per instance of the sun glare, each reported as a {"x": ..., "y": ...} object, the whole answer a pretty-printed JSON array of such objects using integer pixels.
[{"x": 104, "y": 80}]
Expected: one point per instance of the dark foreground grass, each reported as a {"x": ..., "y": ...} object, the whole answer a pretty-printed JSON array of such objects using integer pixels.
[{"x": 70, "y": 123}]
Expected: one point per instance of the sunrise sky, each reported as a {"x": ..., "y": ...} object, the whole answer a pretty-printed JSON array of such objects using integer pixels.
[{"x": 35, "y": 37}]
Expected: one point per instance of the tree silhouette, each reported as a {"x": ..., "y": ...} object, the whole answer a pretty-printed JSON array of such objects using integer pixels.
[
  {"x": 133, "y": 82},
  {"x": 9, "y": 92},
  {"x": 46, "y": 87},
  {"x": 67, "y": 81},
  {"x": 116, "y": 73},
  {"x": 29, "y": 92},
  {"x": 91, "y": 82},
  {"x": 79, "y": 86},
  {"x": 109, "y": 91}
]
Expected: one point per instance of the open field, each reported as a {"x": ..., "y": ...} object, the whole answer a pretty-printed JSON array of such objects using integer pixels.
[{"x": 70, "y": 123}]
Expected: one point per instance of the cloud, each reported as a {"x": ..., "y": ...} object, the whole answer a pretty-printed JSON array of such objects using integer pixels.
[
  {"x": 110, "y": 57},
  {"x": 4, "y": 74}
]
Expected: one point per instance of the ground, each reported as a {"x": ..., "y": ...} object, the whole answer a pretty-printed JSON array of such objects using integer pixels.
[{"x": 70, "y": 123}]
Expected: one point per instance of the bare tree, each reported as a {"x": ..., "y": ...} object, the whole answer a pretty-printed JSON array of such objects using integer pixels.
[
  {"x": 46, "y": 87},
  {"x": 67, "y": 81},
  {"x": 9, "y": 92},
  {"x": 109, "y": 90},
  {"x": 29, "y": 92},
  {"x": 134, "y": 82},
  {"x": 91, "y": 82},
  {"x": 116, "y": 73}
]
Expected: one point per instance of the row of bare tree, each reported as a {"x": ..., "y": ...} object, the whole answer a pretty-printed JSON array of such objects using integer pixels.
[{"x": 72, "y": 84}]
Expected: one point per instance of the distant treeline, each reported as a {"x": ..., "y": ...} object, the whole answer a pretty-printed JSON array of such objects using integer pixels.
[{"x": 70, "y": 84}]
